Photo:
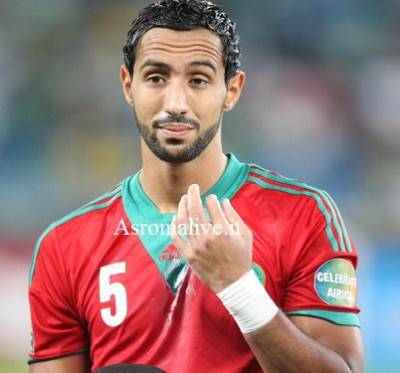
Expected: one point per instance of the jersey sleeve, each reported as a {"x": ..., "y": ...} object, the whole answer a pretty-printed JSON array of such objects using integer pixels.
[
  {"x": 321, "y": 279},
  {"x": 56, "y": 328}
]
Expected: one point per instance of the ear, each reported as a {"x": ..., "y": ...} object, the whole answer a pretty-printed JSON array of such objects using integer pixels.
[
  {"x": 235, "y": 86},
  {"x": 126, "y": 83}
]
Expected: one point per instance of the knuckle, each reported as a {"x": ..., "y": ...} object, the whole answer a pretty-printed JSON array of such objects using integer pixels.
[
  {"x": 209, "y": 240},
  {"x": 196, "y": 250},
  {"x": 196, "y": 212},
  {"x": 190, "y": 257}
]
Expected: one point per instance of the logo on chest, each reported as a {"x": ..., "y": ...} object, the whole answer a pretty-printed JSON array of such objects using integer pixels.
[{"x": 169, "y": 253}]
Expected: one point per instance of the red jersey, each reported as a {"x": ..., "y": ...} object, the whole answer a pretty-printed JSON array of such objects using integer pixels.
[{"x": 107, "y": 279}]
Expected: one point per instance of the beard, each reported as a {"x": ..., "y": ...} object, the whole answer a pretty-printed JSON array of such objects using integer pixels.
[{"x": 189, "y": 152}]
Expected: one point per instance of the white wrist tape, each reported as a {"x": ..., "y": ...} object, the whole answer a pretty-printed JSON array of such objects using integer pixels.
[{"x": 248, "y": 303}]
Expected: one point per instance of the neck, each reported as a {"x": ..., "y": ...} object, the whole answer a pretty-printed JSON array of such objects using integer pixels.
[{"x": 166, "y": 183}]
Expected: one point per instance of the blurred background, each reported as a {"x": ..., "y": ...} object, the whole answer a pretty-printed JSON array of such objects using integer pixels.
[{"x": 322, "y": 103}]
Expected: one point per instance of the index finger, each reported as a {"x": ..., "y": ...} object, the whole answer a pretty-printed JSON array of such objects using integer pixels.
[{"x": 194, "y": 205}]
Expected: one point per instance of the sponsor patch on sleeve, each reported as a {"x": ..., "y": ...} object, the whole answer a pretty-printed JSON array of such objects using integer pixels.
[{"x": 336, "y": 284}]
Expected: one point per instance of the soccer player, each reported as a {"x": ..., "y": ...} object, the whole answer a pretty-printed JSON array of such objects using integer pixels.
[{"x": 255, "y": 271}]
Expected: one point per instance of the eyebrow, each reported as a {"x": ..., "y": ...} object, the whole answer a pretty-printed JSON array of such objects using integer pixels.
[
  {"x": 203, "y": 63},
  {"x": 154, "y": 63},
  {"x": 165, "y": 66}
]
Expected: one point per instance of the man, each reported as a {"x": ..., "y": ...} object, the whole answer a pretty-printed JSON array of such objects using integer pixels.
[{"x": 256, "y": 272}]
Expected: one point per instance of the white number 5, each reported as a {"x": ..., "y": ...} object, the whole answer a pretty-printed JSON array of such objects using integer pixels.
[{"x": 108, "y": 289}]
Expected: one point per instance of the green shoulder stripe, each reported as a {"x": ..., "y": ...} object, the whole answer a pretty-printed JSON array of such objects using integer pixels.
[
  {"x": 315, "y": 196},
  {"x": 79, "y": 212},
  {"x": 337, "y": 220},
  {"x": 343, "y": 226},
  {"x": 336, "y": 317}
]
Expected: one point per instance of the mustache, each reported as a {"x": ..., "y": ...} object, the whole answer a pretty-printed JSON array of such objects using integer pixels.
[{"x": 179, "y": 118}]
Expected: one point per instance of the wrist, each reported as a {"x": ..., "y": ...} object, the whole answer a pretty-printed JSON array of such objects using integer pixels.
[{"x": 248, "y": 303}]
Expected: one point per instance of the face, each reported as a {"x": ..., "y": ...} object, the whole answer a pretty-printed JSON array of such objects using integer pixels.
[{"x": 178, "y": 91}]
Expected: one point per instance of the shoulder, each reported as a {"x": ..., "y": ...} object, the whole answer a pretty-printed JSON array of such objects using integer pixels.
[
  {"x": 273, "y": 185},
  {"x": 296, "y": 200},
  {"x": 76, "y": 223},
  {"x": 271, "y": 180}
]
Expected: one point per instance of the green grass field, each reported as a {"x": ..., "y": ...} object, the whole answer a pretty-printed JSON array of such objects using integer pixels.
[{"x": 13, "y": 366}]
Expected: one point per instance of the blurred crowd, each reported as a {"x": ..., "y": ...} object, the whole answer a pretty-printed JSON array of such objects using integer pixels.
[{"x": 322, "y": 104}]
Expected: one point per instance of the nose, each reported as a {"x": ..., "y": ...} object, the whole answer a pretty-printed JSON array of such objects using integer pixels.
[{"x": 176, "y": 100}]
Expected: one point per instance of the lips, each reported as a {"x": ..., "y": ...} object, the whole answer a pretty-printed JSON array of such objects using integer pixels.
[
  {"x": 177, "y": 127},
  {"x": 175, "y": 130}
]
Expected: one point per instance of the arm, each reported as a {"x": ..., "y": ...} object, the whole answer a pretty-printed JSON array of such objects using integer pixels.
[
  {"x": 75, "y": 363},
  {"x": 58, "y": 338},
  {"x": 324, "y": 347},
  {"x": 303, "y": 345}
]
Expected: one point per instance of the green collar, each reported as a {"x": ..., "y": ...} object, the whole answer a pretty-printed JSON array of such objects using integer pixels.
[{"x": 227, "y": 185}]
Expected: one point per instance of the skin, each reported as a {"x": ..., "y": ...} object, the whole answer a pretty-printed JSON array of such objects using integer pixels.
[
  {"x": 74, "y": 363},
  {"x": 198, "y": 92},
  {"x": 182, "y": 73}
]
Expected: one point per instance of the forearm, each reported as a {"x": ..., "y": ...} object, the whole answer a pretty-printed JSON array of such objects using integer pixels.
[
  {"x": 78, "y": 363},
  {"x": 280, "y": 346}
]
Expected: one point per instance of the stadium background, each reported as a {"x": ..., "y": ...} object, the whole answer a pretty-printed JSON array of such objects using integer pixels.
[{"x": 322, "y": 103}]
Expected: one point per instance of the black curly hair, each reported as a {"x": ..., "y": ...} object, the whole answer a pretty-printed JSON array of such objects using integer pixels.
[{"x": 185, "y": 15}]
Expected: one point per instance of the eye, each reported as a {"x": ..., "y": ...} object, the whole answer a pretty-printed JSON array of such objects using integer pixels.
[
  {"x": 199, "y": 82},
  {"x": 155, "y": 79}
]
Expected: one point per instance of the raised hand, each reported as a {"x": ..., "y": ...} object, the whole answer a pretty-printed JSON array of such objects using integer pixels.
[{"x": 219, "y": 249}]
